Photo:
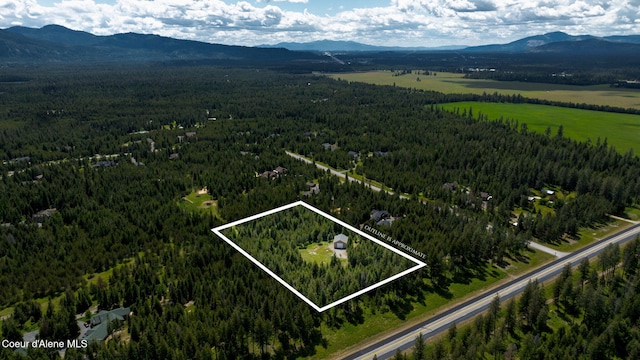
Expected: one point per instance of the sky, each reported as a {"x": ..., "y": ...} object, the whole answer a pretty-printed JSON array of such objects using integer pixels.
[{"x": 426, "y": 23}]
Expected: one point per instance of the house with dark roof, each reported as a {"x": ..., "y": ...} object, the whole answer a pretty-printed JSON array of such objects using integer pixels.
[
  {"x": 314, "y": 189},
  {"x": 386, "y": 222},
  {"x": 378, "y": 215},
  {"x": 328, "y": 146},
  {"x": 281, "y": 170},
  {"x": 382, "y": 217},
  {"x": 20, "y": 159},
  {"x": 41, "y": 216},
  {"x": 100, "y": 324},
  {"x": 340, "y": 242},
  {"x": 268, "y": 174},
  {"x": 104, "y": 164}
]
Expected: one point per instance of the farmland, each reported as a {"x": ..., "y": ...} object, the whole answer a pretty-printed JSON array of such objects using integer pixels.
[
  {"x": 621, "y": 130},
  {"x": 452, "y": 83}
]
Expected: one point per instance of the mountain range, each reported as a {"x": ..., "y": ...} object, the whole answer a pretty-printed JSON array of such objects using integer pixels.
[
  {"x": 557, "y": 41},
  {"x": 538, "y": 43},
  {"x": 352, "y": 46},
  {"x": 54, "y": 43}
]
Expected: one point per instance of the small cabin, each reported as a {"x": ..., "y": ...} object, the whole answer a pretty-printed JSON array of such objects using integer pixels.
[{"x": 340, "y": 242}]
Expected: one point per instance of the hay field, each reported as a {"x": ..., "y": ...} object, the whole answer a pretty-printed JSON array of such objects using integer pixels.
[
  {"x": 451, "y": 83},
  {"x": 621, "y": 130}
]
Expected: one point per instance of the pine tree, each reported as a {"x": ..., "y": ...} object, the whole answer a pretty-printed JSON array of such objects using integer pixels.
[{"x": 420, "y": 348}]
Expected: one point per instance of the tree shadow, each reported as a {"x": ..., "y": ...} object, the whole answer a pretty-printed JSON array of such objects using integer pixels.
[
  {"x": 354, "y": 317},
  {"x": 401, "y": 308},
  {"x": 308, "y": 350},
  {"x": 443, "y": 292}
]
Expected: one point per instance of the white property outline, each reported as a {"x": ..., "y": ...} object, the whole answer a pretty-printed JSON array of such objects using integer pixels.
[{"x": 217, "y": 230}]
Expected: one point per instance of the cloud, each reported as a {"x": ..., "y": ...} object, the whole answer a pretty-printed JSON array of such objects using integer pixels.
[
  {"x": 287, "y": 1},
  {"x": 401, "y": 22}
]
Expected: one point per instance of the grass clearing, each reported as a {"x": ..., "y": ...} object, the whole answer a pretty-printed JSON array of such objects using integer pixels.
[
  {"x": 453, "y": 83},
  {"x": 200, "y": 201},
  {"x": 379, "y": 324},
  {"x": 318, "y": 253},
  {"x": 621, "y": 130},
  {"x": 633, "y": 213},
  {"x": 590, "y": 235}
]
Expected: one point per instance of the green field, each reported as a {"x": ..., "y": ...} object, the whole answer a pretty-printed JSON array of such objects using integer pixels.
[
  {"x": 452, "y": 83},
  {"x": 621, "y": 130},
  {"x": 200, "y": 201},
  {"x": 319, "y": 253},
  {"x": 589, "y": 235}
]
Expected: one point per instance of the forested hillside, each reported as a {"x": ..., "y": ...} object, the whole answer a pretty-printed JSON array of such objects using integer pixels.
[{"x": 114, "y": 151}]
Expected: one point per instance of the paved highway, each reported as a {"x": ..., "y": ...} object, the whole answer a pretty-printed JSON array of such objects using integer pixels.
[{"x": 386, "y": 348}]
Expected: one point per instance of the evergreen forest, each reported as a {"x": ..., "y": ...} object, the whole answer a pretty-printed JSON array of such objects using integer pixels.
[
  {"x": 97, "y": 161},
  {"x": 276, "y": 241}
]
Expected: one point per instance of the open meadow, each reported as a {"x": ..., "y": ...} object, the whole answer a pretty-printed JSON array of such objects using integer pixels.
[
  {"x": 453, "y": 83},
  {"x": 621, "y": 130}
]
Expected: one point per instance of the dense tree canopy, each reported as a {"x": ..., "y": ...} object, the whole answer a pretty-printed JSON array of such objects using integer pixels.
[{"x": 114, "y": 151}]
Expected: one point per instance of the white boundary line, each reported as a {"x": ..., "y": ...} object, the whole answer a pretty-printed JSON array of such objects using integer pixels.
[{"x": 217, "y": 231}]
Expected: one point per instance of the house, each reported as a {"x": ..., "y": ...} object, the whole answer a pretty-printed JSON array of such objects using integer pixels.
[
  {"x": 485, "y": 196},
  {"x": 41, "y": 216},
  {"x": 327, "y": 146},
  {"x": 174, "y": 156},
  {"x": 268, "y": 174},
  {"x": 386, "y": 222},
  {"x": 280, "y": 170},
  {"x": 314, "y": 189},
  {"x": 353, "y": 154},
  {"x": 378, "y": 215},
  {"x": 100, "y": 324},
  {"x": 382, "y": 217},
  {"x": 20, "y": 159},
  {"x": 381, "y": 153},
  {"x": 551, "y": 195},
  {"x": 191, "y": 134},
  {"x": 340, "y": 242},
  {"x": 104, "y": 164}
]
